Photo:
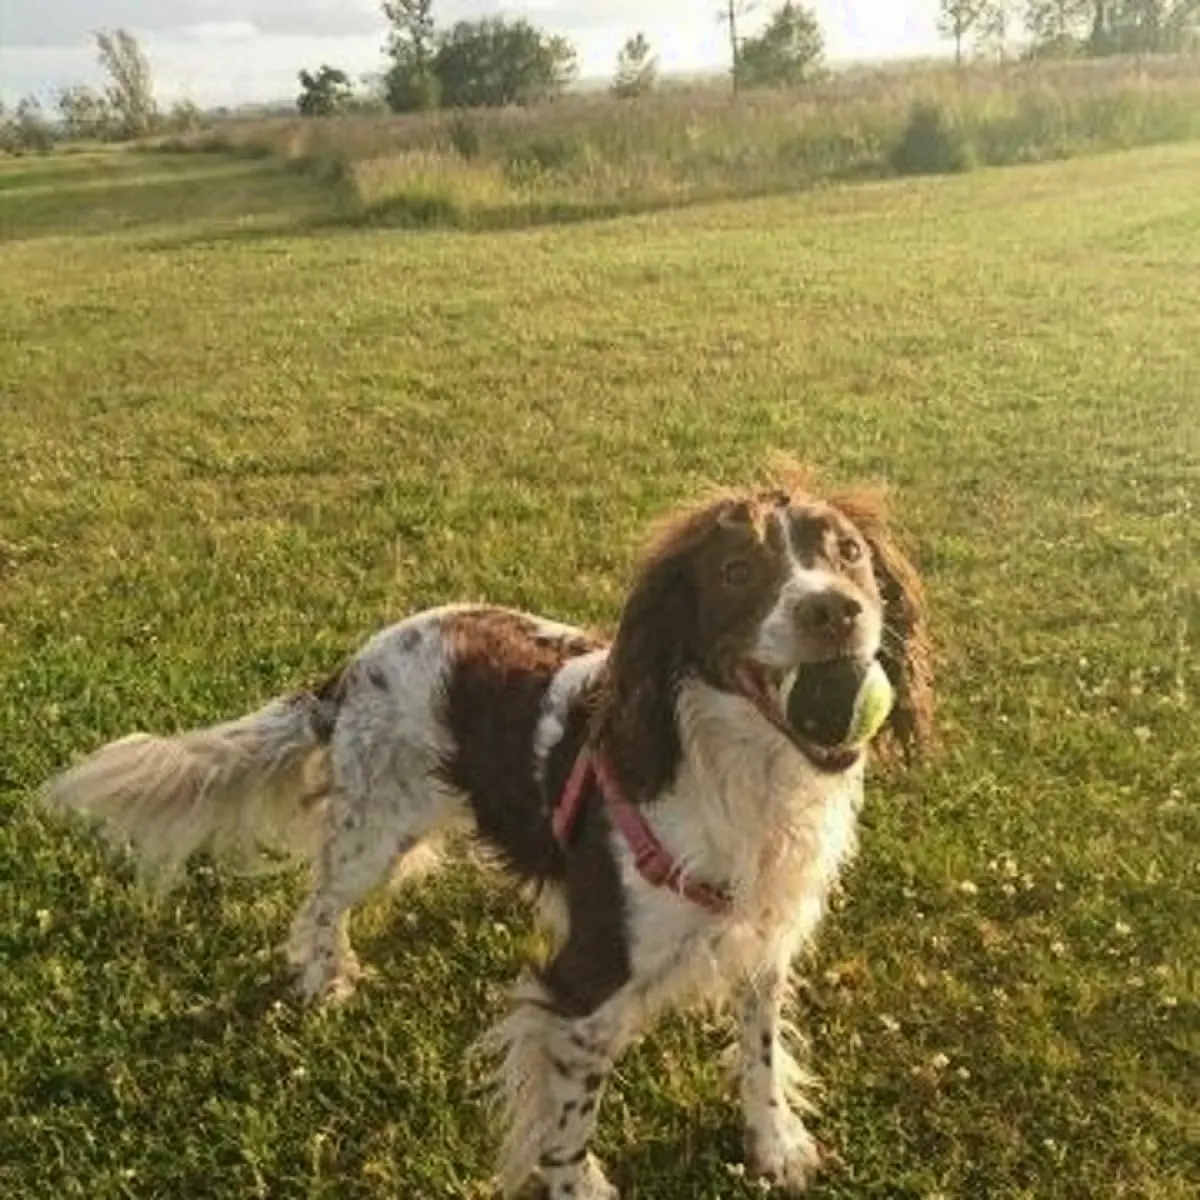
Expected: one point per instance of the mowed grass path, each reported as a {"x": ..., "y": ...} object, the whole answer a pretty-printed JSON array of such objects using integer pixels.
[{"x": 235, "y": 442}]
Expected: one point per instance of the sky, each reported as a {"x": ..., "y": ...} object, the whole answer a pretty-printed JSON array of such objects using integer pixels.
[{"x": 249, "y": 51}]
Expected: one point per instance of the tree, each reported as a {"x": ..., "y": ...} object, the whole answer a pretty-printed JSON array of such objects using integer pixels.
[
  {"x": 1181, "y": 26},
  {"x": 731, "y": 13},
  {"x": 493, "y": 62},
  {"x": 637, "y": 68},
  {"x": 130, "y": 93},
  {"x": 26, "y": 129},
  {"x": 1059, "y": 26},
  {"x": 1098, "y": 42},
  {"x": 957, "y": 19},
  {"x": 85, "y": 114},
  {"x": 788, "y": 52},
  {"x": 410, "y": 84},
  {"x": 992, "y": 28},
  {"x": 327, "y": 92},
  {"x": 1145, "y": 26}
]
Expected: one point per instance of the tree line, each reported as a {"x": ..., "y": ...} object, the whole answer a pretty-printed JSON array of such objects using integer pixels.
[
  {"x": 1071, "y": 28},
  {"x": 498, "y": 61},
  {"x": 123, "y": 110}
]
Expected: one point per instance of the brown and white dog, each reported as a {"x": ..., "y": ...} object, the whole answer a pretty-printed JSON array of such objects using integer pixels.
[{"x": 683, "y": 839}]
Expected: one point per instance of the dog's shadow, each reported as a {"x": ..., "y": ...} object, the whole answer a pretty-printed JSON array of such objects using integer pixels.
[{"x": 666, "y": 1166}]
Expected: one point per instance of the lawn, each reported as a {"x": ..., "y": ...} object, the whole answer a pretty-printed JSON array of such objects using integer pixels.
[{"x": 236, "y": 438}]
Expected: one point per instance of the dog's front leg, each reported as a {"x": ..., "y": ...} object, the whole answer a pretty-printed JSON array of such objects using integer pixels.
[
  {"x": 779, "y": 1149},
  {"x": 581, "y": 1057}
]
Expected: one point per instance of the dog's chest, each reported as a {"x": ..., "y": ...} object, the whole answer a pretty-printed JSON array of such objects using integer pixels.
[{"x": 779, "y": 870}]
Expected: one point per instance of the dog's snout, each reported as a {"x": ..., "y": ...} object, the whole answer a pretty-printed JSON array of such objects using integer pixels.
[{"x": 830, "y": 613}]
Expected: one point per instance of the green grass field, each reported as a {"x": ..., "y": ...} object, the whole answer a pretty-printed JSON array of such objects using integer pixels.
[{"x": 235, "y": 441}]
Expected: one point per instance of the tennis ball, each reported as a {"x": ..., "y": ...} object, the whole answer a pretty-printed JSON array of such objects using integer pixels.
[
  {"x": 871, "y": 706},
  {"x": 839, "y": 703}
]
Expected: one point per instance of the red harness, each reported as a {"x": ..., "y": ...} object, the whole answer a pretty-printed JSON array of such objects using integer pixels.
[{"x": 650, "y": 856}]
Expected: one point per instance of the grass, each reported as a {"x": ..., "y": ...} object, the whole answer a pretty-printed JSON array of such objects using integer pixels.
[
  {"x": 592, "y": 155},
  {"x": 235, "y": 442}
]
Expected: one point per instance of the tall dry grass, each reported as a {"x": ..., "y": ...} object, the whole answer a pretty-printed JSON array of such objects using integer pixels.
[{"x": 589, "y": 154}]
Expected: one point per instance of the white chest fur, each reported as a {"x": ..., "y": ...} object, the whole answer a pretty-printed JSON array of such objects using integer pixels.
[{"x": 749, "y": 813}]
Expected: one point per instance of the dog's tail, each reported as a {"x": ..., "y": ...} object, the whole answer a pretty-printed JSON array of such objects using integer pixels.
[{"x": 253, "y": 785}]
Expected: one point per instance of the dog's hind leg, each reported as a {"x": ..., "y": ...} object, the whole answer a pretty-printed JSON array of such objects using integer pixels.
[
  {"x": 352, "y": 863},
  {"x": 371, "y": 836}
]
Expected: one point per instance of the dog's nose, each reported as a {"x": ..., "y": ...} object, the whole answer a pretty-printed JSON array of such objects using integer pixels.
[{"x": 828, "y": 614}]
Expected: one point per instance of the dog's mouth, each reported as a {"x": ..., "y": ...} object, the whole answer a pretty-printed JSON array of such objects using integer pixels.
[{"x": 761, "y": 686}]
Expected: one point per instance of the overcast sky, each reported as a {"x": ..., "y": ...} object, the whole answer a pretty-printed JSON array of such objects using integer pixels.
[{"x": 232, "y": 51}]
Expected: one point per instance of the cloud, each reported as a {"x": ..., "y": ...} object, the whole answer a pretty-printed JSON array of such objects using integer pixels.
[
  {"x": 219, "y": 31},
  {"x": 69, "y": 22}
]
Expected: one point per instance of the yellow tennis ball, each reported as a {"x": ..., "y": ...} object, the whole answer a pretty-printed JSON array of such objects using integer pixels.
[
  {"x": 843, "y": 702},
  {"x": 871, "y": 706}
]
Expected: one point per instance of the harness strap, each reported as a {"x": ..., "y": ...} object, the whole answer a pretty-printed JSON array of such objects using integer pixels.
[{"x": 655, "y": 864}]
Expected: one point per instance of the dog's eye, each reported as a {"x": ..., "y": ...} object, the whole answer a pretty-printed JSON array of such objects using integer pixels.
[
  {"x": 735, "y": 572},
  {"x": 850, "y": 549}
]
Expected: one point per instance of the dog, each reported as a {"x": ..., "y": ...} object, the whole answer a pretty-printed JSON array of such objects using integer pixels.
[{"x": 681, "y": 838}]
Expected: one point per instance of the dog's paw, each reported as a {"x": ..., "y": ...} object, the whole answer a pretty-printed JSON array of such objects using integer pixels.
[
  {"x": 318, "y": 987},
  {"x": 588, "y": 1183},
  {"x": 784, "y": 1155}
]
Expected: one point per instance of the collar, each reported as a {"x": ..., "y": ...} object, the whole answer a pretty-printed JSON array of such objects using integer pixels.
[{"x": 652, "y": 859}]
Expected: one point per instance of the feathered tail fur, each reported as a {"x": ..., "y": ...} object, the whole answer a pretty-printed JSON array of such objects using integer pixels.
[{"x": 236, "y": 789}]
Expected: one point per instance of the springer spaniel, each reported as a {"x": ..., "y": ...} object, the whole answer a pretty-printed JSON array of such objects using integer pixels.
[{"x": 682, "y": 837}]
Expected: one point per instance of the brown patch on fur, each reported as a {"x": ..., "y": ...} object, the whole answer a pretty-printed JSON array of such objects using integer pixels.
[
  {"x": 907, "y": 652},
  {"x": 593, "y": 961},
  {"x": 332, "y": 689},
  {"x": 706, "y": 580},
  {"x": 329, "y": 695},
  {"x": 502, "y": 667}
]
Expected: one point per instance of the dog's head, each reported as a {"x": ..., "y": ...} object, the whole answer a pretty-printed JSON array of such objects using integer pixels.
[{"x": 765, "y": 581}]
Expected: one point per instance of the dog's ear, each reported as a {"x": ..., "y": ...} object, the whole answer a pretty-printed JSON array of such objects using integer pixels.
[
  {"x": 654, "y": 643},
  {"x": 907, "y": 651}
]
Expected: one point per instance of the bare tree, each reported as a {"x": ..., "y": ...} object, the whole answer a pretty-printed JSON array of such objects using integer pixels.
[
  {"x": 731, "y": 14},
  {"x": 957, "y": 19}
]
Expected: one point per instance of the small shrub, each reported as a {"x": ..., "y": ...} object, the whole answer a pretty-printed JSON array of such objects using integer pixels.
[
  {"x": 931, "y": 144},
  {"x": 550, "y": 153},
  {"x": 185, "y": 117},
  {"x": 416, "y": 210},
  {"x": 423, "y": 188}
]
